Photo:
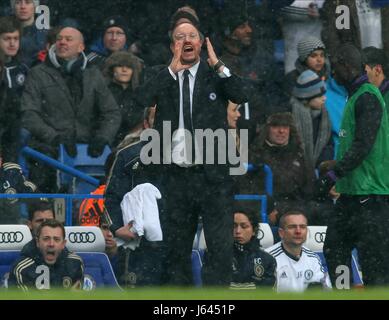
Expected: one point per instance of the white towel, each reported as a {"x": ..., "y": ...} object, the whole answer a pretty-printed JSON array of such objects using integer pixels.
[{"x": 140, "y": 207}]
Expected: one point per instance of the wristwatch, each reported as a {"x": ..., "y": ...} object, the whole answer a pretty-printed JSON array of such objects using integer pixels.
[{"x": 218, "y": 64}]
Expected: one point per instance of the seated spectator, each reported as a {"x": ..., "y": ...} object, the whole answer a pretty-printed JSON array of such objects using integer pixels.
[
  {"x": 312, "y": 56},
  {"x": 111, "y": 247},
  {"x": 311, "y": 118},
  {"x": 32, "y": 39},
  {"x": 297, "y": 267},
  {"x": 252, "y": 267},
  {"x": 248, "y": 59},
  {"x": 49, "y": 265},
  {"x": 67, "y": 103},
  {"x": 278, "y": 145},
  {"x": 39, "y": 211},
  {"x": 12, "y": 181},
  {"x": 115, "y": 37},
  {"x": 124, "y": 77}
]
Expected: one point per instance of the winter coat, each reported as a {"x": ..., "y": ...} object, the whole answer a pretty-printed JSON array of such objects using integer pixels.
[
  {"x": 252, "y": 266},
  {"x": 9, "y": 123},
  {"x": 15, "y": 74},
  {"x": 131, "y": 117},
  {"x": 292, "y": 180},
  {"x": 57, "y": 105}
]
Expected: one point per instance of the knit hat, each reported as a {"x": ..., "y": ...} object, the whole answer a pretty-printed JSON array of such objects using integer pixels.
[
  {"x": 13, "y": 2},
  {"x": 309, "y": 86},
  {"x": 307, "y": 45},
  {"x": 116, "y": 21},
  {"x": 280, "y": 119}
]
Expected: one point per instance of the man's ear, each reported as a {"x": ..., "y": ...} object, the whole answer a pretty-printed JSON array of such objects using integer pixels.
[
  {"x": 81, "y": 47},
  {"x": 281, "y": 232}
]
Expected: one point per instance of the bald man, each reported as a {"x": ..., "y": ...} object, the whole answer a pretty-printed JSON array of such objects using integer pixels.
[{"x": 67, "y": 103}]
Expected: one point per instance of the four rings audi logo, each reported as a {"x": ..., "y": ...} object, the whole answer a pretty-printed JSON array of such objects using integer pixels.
[
  {"x": 320, "y": 237},
  {"x": 82, "y": 237},
  {"x": 261, "y": 235},
  {"x": 11, "y": 237}
]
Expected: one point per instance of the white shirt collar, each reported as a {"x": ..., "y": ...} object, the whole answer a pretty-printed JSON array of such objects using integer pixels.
[{"x": 193, "y": 70}]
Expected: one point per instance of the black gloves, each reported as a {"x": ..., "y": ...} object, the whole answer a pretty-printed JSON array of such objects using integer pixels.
[
  {"x": 68, "y": 143},
  {"x": 70, "y": 147},
  {"x": 325, "y": 183},
  {"x": 96, "y": 147}
]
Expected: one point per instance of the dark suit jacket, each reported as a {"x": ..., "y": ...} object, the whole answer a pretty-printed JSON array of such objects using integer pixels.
[{"x": 210, "y": 98}]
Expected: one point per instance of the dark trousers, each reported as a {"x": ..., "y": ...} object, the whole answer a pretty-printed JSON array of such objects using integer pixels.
[
  {"x": 360, "y": 222},
  {"x": 189, "y": 194}
]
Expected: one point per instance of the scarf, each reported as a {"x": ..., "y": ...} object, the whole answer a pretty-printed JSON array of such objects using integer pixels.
[{"x": 303, "y": 118}]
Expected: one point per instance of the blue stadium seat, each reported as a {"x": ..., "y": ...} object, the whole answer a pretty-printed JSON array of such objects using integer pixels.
[
  {"x": 7, "y": 258},
  {"x": 265, "y": 235},
  {"x": 83, "y": 162},
  {"x": 198, "y": 250},
  {"x": 197, "y": 265},
  {"x": 89, "y": 244},
  {"x": 98, "y": 271}
]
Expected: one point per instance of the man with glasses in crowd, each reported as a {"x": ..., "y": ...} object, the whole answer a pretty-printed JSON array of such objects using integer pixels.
[{"x": 115, "y": 37}]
